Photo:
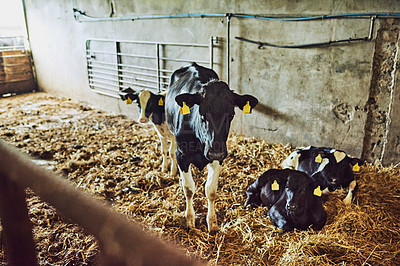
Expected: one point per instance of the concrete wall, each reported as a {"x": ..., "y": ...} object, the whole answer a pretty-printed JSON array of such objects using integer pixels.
[{"x": 327, "y": 96}]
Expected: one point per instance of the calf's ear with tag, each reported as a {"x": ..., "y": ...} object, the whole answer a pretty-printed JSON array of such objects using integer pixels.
[
  {"x": 188, "y": 99},
  {"x": 246, "y": 102},
  {"x": 128, "y": 95},
  {"x": 355, "y": 163}
]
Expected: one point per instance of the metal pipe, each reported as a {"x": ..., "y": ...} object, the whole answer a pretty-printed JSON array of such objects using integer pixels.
[
  {"x": 371, "y": 28},
  {"x": 148, "y": 42},
  {"x": 119, "y": 60},
  {"x": 121, "y": 241},
  {"x": 96, "y": 70},
  {"x": 213, "y": 39},
  {"x": 158, "y": 66},
  {"x": 117, "y": 54},
  {"x": 13, "y": 48},
  {"x": 113, "y": 64},
  {"x": 130, "y": 66},
  {"x": 94, "y": 82},
  {"x": 91, "y": 75},
  {"x": 228, "y": 38},
  {"x": 184, "y": 60},
  {"x": 93, "y": 19},
  {"x": 105, "y": 83}
]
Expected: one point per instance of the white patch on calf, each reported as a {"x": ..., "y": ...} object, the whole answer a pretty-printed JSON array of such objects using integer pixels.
[
  {"x": 189, "y": 188},
  {"x": 324, "y": 162},
  {"x": 339, "y": 155},
  {"x": 325, "y": 191},
  {"x": 292, "y": 161},
  {"x": 165, "y": 135},
  {"x": 144, "y": 97},
  {"x": 349, "y": 197},
  {"x": 214, "y": 170}
]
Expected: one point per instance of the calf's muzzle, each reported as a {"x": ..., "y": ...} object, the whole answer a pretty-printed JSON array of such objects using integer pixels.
[{"x": 218, "y": 156}]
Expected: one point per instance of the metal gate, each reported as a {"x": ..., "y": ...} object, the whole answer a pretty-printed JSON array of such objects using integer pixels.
[
  {"x": 113, "y": 65},
  {"x": 16, "y": 68}
]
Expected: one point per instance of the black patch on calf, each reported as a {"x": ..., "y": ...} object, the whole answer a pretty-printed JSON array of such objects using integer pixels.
[
  {"x": 260, "y": 192},
  {"x": 341, "y": 171},
  {"x": 153, "y": 110},
  {"x": 294, "y": 205},
  {"x": 128, "y": 93}
]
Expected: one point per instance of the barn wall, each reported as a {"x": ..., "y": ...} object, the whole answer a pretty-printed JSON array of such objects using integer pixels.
[{"x": 314, "y": 96}]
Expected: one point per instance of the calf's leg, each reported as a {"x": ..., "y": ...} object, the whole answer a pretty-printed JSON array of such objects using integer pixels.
[
  {"x": 161, "y": 132},
  {"x": 352, "y": 187},
  {"x": 172, "y": 153},
  {"x": 214, "y": 170},
  {"x": 164, "y": 151},
  {"x": 189, "y": 187}
]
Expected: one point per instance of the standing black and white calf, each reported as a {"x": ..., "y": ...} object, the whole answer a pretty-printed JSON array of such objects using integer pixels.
[
  {"x": 199, "y": 110},
  {"x": 152, "y": 108},
  {"x": 293, "y": 199},
  {"x": 331, "y": 168}
]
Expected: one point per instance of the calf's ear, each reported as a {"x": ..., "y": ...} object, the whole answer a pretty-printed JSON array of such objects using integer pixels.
[
  {"x": 189, "y": 99},
  {"x": 128, "y": 93},
  {"x": 241, "y": 100},
  {"x": 354, "y": 161}
]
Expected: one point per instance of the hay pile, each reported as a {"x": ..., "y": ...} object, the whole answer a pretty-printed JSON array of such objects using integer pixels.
[{"x": 115, "y": 159}]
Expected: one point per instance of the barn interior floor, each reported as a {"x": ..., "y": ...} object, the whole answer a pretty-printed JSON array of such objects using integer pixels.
[{"x": 117, "y": 160}]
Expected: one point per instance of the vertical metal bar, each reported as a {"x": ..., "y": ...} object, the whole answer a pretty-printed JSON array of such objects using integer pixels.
[
  {"x": 212, "y": 52},
  {"x": 158, "y": 67},
  {"x": 119, "y": 61},
  {"x": 17, "y": 228},
  {"x": 88, "y": 67},
  {"x": 371, "y": 28},
  {"x": 228, "y": 40}
]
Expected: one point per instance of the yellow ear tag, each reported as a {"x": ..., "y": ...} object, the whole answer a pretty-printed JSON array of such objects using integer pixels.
[
  {"x": 317, "y": 191},
  {"x": 356, "y": 167},
  {"x": 318, "y": 159},
  {"x": 247, "y": 108},
  {"x": 275, "y": 185},
  {"x": 185, "y": 109},
  {"x": 161, "y": 102},
  {"x": 128, "y": 101}
]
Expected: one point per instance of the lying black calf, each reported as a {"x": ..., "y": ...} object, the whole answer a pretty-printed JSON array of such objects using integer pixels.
[{"x": 293, "y": 199}]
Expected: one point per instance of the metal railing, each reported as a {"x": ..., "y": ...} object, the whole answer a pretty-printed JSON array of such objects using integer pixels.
[
  {"x": 121, "y": 242},
  {"x": 12, "y": 43},
  {"x": 113, "y": 65}
]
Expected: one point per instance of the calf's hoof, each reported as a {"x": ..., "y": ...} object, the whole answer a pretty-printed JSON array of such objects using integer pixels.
[
  {"x": 347, "y": 201},
  {"x": 174, "y": 173},
  {"x": 190, "y": 221},
  {"x": 212, "y": 226}
]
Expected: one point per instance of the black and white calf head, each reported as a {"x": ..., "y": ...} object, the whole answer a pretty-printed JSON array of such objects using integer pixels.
[
  {"x": 215, "y": 106},
  {"x": 151, "y": 106},
  {"x": 330, "y": 167},
  {"x": 298, "y": 188}
]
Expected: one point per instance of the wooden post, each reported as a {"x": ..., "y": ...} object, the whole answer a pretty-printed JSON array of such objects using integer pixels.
[{"x": 17, "y": 228}]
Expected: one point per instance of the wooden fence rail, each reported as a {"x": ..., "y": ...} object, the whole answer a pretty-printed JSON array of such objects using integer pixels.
[{"x": 122, "y": 242}]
